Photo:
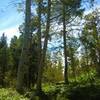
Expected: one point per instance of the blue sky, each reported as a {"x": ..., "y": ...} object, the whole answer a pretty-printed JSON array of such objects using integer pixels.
[{"x": 10, "y": 18}]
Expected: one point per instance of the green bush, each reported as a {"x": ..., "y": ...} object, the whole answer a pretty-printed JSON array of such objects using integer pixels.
[{"x": 10, "y": 94}]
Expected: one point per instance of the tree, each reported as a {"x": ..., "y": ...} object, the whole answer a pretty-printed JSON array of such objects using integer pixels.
[
  {"x": 3, "y": 58},
  {"x": 90, "y": 39},
  {"x": 24, "y": 60},
  {"x": 43, "y": 55},
  {"x": 64, "y": 39},
  {"x": 73, "y": 45},
  {"x": 69, "y": 9},
  {"x": 15, "y": 51}
]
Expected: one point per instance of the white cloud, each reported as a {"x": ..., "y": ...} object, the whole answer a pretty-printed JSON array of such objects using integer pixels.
[{"x": 10, "y": 32}]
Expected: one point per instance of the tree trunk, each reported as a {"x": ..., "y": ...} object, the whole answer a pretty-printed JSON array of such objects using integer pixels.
[
  {"x": 39, "y": 40},
  {"x": 64, "y": 43},
  {"x": 43, "y": 55},
  {"x": 23, "y": 67}
]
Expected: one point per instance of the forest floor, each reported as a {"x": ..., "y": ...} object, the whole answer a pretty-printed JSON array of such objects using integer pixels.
[{"x": 72, "y": 91}]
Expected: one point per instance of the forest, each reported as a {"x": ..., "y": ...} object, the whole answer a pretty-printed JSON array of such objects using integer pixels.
[{"x": 56, "y": 56}]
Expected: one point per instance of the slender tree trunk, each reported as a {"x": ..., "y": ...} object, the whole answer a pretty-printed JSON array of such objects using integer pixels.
[
  {"x": 98, "y": 57},
  {"x": 43, "y": 55},
  {"x": 39, "y": 31},
  {"x": 39, "y": 42},
  {"x": 97, "y": 48},
  {"x": 65, "y": 49},
  {"x": 23, "y": 67},
  {"x": 73, "y": 65}
]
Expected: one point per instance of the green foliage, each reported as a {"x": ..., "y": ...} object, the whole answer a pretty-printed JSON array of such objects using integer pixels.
[
  {"x": 53, "y": 72},
  {"x": 14, "y": 54},
  {"x": 9, "y": 79},
  {"x": 85, "y": 93},
  {"x": 87, "y": 77},
  {"x": 3, "y": 58},
  {"x": 82, "y": 68},
  {"x": 90, "y": 40},
  {"x": 49, "y": 88},
  {"x": 86, "y": 84},
  {"x": 10, "y": 94},
  {"x": 78, "y": 91}
]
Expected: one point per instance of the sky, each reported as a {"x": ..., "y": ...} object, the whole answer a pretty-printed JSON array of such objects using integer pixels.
[{"x": 10, "y": 18}]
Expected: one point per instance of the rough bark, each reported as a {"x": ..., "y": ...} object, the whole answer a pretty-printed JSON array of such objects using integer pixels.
[
  {"x": 43, "y": 55},
  {"x": 64, "y": 43},
  {"x": 23, "y": 67}
]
